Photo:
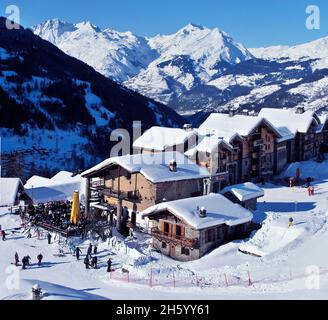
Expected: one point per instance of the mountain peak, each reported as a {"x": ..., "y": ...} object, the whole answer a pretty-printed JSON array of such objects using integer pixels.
[
  {"x": 191, "y": 27},
  {"x": 52, "y": 29},
  {"x": 87, "y": 25}
]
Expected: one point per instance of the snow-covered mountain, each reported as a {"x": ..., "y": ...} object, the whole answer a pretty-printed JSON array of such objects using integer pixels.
[
  {"x": 58, "y": 112},
  {"x": 317, "y": 49},
  {"x": 118, "y": 55},
  {"x": 200, "y": 69},
  {"x": 192, "y": 56}
]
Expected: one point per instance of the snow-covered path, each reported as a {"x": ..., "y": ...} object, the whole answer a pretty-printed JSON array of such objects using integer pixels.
[{"x": 287, "y": 256}]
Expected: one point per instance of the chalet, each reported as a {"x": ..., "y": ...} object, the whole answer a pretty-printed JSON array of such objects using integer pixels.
[
  {"x": 188, "y": 229},
  {"x": 161, "y": 139},
  {"x": 137, "y": 182},
  {"x": 302, "y": 126},
  {"x": 251, "y": 141},
  {"x": 324, "y": 123},
  {"x": 12, "y": 193},
  {"x": 245, "y": 194}
]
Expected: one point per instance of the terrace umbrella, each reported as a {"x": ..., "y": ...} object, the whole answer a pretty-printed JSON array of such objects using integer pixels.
[{"x": 75, "y": 214}]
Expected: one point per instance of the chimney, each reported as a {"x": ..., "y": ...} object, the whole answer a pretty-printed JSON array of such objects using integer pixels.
[
  {"x": 188, "y": 127},
  {"x": 203, "y": 212},
  {"x": 173, "y": 166},
  {"x": 300, "y": 110}
]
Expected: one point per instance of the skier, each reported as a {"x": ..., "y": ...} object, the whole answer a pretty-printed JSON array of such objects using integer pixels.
[
  {"x": 24, "y": 262},
  {"x": 28, "y": 260},
  {"x": 49, "y": 238},
  {"x": 109, "y": 266},
  {"x": 290, "y": 223},
  {"x": 38, "y": 235},
  {"x": 95, "y": 250},
  {"x": 87, "y": 262},
  {"x": 3, "y": 234},
  {"x": 16, "y": 259},
  {"x": 89, "y": 252},
  {"x": 94, "y": 262},
  {"x": 77, "y": 253},
  {"x": 40, "y": 257}
]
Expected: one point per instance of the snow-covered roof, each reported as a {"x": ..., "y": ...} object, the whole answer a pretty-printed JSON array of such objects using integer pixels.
[
  {"x": 9, "y": 188},
  {"x": 60, "y": 187},
  {"x": 244, "y": 191},
  {"x": 208, "y": 143},
  {"x": 154, "y": 167},
  {"x": 161, "y": 138},
  {"x": 36, "y": 181},
  {"x": 228, "y": 127},
  {"x": 220, "y": 211},
  {"x": 288, "y": 120}
]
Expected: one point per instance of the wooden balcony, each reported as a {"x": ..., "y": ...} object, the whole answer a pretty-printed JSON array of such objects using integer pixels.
[
  {"x": 122, "y": 195},
  {"x": 176, "y": 240}
]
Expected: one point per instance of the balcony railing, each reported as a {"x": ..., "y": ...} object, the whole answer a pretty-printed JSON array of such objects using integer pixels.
[
  {"x": 258, "y": 143},
  {"x": 122, "y": 195},
  {"x": 161, "y": 236}
]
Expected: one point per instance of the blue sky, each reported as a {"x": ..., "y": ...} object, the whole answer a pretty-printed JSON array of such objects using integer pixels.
[{"x": 252, "y": 22}]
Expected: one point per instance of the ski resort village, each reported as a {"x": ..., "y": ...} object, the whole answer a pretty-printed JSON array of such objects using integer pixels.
[
  {"x": 236, "y": 208},
  {"x": 161, "y": 167}
]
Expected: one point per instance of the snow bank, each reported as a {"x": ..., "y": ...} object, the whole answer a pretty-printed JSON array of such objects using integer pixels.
[{"x": 313, "y": 169}]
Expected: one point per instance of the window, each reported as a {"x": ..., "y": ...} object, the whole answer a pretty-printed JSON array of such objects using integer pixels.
[
  {"x": 178, "y": 232},
  {"x": 210, "y": 235},
  {"x": 166, "y": 228},
  {"x": 164, "y": 245},
  {"x": 185, "y": 251}
]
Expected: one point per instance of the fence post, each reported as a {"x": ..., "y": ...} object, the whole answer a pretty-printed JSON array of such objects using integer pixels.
[
  {"x": 226, "y": 280},
  {"x": 128, "y": 277},
  {"x": 250, "y": 283},
  {"x": 151, "y": 278},
  {"x": 197, "y": 281},
  {"x": 174, "y": 284}
]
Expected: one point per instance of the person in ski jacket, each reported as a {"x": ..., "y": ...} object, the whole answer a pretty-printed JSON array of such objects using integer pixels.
[
  {"x": 87, "y": 262},
  {"x": 24, "y": 262},
  {"x": 94, "y": 262},
  {"x": 109, "y": 265},
  {"x": 40, "y": 258},
  {"x": 49, "y": 238},
  {"x": 16, "y": 259},
  {"x": 95, "y": 250},
  {"x": 77, "y": 253},
  {"x": 312, "y": 191},
  {"x": 89, "y": 252},
  {"x": 3, "y": 234},
  {"x": 308, "y": 181}
]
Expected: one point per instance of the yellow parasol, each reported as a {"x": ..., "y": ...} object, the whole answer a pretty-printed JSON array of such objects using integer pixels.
[{"x": 75, "y": 214}]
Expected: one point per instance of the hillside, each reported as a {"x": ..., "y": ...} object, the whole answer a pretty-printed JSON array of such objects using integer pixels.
[{"x": 58, "y": 112}]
